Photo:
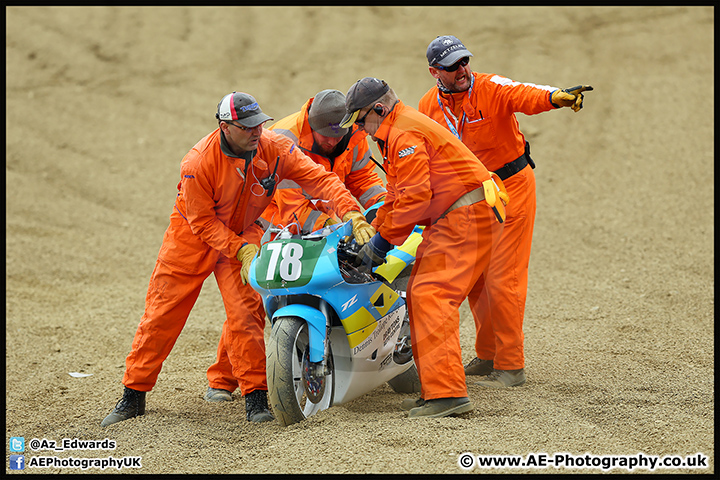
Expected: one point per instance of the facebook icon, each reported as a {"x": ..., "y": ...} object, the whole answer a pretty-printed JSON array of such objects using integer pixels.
[{"x": 17, "y": 462}]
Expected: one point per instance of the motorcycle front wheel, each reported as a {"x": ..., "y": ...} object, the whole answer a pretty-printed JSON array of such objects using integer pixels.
[{"x": 295, "y": 388}]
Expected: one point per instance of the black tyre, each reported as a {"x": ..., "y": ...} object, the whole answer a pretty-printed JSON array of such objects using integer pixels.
[
  {"x": 294, "y": 392},
  {"x": 406, "y": 382}
]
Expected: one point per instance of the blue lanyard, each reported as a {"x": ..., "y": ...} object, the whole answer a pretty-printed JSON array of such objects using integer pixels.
[{"x": 450, "y": 125}]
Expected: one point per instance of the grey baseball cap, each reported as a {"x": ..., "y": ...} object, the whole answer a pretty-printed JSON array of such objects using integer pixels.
[
  {"x": 446, "y": 50},
  {"x": 326, "y": 112},
  {"x": 241, "y": 107},
  {"x": 361, "y": 94}
]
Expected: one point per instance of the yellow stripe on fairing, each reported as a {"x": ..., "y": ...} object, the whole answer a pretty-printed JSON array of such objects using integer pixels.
[
  {"x": 394, "y": 265},
  {"x": 362, "y": 323},
  {"x": 356, "y": 338},
  {"x": 358, "y": 320},
  {"x": 389, "y": 297}
]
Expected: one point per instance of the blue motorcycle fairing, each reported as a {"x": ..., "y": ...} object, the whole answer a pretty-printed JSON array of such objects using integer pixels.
[{"x": 316, "y": 322}]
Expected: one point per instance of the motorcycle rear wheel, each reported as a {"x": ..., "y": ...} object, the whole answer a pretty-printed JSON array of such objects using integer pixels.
[
  {"x": 406, "y": 382},
  {"x": 294, "y": 392},
  {"x": 409, "y": 380}
]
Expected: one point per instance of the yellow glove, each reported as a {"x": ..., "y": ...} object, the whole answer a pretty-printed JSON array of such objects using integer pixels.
[
  {"x": 245, "y": 256},
  {"x": 331, "y": 221},
  {"x": 362, "y": 230},
  {"x": 502, "y": 191},
  {"x": 495, "y": 189},
  {"x": 570, "y": 97}
]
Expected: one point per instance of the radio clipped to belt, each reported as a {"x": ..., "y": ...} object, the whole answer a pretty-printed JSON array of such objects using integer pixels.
[{"x": 495, "y": 190}]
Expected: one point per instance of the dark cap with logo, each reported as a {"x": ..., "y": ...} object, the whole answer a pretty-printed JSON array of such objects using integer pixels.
[
  {"x": 446, "y": 50},
  {"x": 363, "y": 93},
  {"x": 326, "y": 112},
  {"x": 241, "y": 107}
]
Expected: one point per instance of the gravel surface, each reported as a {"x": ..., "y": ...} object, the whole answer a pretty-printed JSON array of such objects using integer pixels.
[{"x": 103, "y": 103}]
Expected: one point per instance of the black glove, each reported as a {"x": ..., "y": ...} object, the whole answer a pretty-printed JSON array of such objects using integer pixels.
[{"x": 372, "y": 254}]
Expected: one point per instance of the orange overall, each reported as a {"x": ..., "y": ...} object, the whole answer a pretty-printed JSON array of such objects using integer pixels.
[
  {"x": 484, "y": 119},
  {"x": 352, "y": 165},
  {"x": 428, "y": 170},
  {"x": 218, "y": 203}
]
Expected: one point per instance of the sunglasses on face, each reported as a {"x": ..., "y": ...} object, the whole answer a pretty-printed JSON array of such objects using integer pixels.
[
  {"x": 361, "y": 121},
  {"x": 460, "y": 63}
]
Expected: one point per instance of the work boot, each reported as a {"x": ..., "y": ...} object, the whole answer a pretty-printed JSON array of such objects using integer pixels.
[
  {"x": 441, "y": 407},
  {"x": 218, "y": 395},
  {"x": 132, "y": 404},
  {"x": 256, "y": 406},
  {"x": 479, "y": 367},
  {"x": 503, "y": 378},
  {"x": 410, "y": 403}
]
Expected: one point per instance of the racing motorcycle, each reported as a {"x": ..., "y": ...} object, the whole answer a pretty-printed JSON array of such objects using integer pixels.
[{"x": 337, "y": 333}]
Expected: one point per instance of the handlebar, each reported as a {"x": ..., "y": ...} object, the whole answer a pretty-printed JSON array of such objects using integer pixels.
[{"x": 347, "y": 252}]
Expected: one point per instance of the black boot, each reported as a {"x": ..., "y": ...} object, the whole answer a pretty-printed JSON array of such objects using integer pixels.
[
  {"x": 132, "y": 404},
  {"x": 256, "y": 406}
]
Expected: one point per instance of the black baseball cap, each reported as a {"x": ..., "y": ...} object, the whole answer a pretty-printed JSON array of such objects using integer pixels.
[
  {"x": 446, "y": 50},
  {"x": 364, "y": 92}
]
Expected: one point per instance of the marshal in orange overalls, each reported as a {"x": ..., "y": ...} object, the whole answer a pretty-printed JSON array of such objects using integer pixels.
[
  {"x": 484, "y": 119},
  {"x": 428, "y": 170}
]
